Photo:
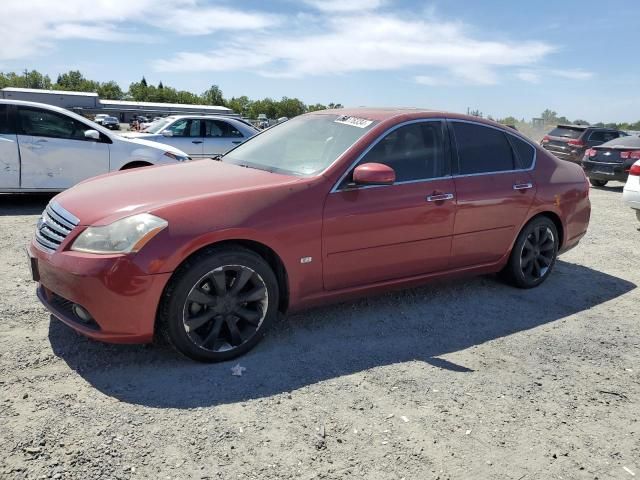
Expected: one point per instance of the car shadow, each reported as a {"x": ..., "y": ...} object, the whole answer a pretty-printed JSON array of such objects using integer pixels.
[
  {"x": 12, "y": 204},
  {"x": 418, "y": 324}
]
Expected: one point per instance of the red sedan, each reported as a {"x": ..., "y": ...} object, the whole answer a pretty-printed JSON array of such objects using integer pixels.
[{"x": 325, "y": 206}]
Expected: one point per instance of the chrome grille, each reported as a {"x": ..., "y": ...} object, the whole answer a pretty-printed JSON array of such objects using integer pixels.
[{"x": 54, "y": 226}]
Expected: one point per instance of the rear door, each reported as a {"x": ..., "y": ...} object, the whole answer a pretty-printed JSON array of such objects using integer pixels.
[
  {"x": 54, "y": 152},
  {"x": 187, "y": 135},
  {"x": 9, "y": 154},
  {"x": 220, "y": 137},
  {"x": 494, "y": 192},
  {"x": 378, "y": 233}
]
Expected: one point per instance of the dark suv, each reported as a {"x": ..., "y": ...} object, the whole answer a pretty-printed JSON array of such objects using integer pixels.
[{"x": 570, "y": 142}]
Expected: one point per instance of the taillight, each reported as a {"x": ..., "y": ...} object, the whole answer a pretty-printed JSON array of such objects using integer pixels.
[
  {"x": 635, "y": 169},
  {"x": 591, "y": 153},
  {"x": 576, "y": 143},
  {"x": 635, "y": 155},
  {"x": 545, "y": 139},
  {"x": 624, "y": 155}
]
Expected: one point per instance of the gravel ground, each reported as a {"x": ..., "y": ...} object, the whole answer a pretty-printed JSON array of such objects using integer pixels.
[{"x": 460, "y": 380}]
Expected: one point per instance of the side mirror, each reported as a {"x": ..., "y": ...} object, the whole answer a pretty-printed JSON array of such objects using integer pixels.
[
  {"x": 167, "y": 133},
  {"x": 374, "y": 174},
  {"x": 92, "y": 134}
]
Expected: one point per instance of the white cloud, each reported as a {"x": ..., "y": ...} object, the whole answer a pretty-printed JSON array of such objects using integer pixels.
[
  {"x": 345, "y": 5},
  {"x": 31, "y": 27},
  {"x": 429, "y": 80},
  {"x": 528, "y": 76},
  {"x": 369, "y": 42},
  {"x": 572, "y": 74},
  {"x": 537, "y": 76}
]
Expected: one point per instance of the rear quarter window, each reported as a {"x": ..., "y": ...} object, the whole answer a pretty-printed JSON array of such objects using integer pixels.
[
  {"x": 525, "y": 153},
  {"x": 5, "y": 126}
]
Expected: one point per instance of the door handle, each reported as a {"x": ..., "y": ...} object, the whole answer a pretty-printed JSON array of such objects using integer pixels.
[
  {"x": 196, "y": 141},
  {"x": 523, "y": 186},
  {"x": 236, "y": 142},
  {"x": 440, "y": 197}
]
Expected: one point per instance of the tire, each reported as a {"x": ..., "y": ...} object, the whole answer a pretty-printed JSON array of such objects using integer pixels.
[
  {"x": 219, "y": 304},
  {"x": 597, "y": 183},
  {"x": 533, "y": 255}
]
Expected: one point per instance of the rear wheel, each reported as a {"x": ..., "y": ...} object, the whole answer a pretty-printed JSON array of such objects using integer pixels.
[
  {"x": 220, "y": 304},
  {"x": 597, "y": 183},
  {"x": 534, "y": 254}
]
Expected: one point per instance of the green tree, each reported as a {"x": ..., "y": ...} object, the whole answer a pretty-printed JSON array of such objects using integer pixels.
[
  {"x": 549, "y": 116},
  {"x": 213, "y": 96},
  {"x": 316, "y": 107},
  {"x": 110, "y": 90},
  {"x": 144, "y": 81},
  {"x": 509, "y": 121},
  {"x": 289, "y": 107},
  {"x": 240, "y": 105}
]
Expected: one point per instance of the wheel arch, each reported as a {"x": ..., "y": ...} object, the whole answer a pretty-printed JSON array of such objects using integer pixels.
[
  {"x": 264, "y": 251},
  {"x": 135, "y": 164},
  {"x": 555, "y": 218}
]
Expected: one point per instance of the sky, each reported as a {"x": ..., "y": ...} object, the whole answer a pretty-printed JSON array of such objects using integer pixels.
[{"x": 501, "y": 57}]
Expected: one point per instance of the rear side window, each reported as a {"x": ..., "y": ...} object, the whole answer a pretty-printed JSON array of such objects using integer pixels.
[
  {"x": 5, "y": 126},
  {"x": 218, "y": 128},
  {"x": 482, "y": 149},
  {"x": 524, "y": 152},
  {"x": 602, "y": 136},
  {"x": 414, "y": 151},
  {"x": 566, "y": 132}
]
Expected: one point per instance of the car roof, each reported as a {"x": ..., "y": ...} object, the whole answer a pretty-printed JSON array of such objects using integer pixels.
[
  {"x": 574, "y": 127},
  {"x": 622, "y": 142}
]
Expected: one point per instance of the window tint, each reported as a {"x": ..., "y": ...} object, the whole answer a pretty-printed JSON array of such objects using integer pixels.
[
  {"x": 567, "y": 132},
  {"x": 5, "y": 126},
  {"x": 482, "y": 149},
  {"x": 524, "y": 152},
  {"x": 185, "y": 128},
  {"x": 602, "y": 136},
  {"x": 45, "y": 123},
  {"x": 218, "y": 128},
  {"x": 415, "y": 152}
]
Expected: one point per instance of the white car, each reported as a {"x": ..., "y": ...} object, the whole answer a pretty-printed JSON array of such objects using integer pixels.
[
  {"x": 48, "y": 149},
  {"x": 99, "y": 118},
  {"x": 631, "y": 192},
  {"x": 200, "y": 136}
]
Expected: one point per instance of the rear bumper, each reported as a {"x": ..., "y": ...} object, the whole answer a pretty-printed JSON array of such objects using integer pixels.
[
  {"x": 574, "y": 156},
  {"x": 121, "y": 302},
  {"x": 605, "y": 171}
]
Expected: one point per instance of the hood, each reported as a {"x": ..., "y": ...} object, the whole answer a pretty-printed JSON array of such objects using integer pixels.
[
  {"x": 142, "y": 141},
  {"x": 104, "y": 199}
]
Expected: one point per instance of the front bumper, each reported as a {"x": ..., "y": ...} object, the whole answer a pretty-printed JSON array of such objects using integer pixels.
[{"x": 121, "y": 300}]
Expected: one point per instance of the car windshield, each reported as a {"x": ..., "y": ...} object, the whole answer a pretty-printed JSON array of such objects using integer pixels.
[
  {"x": 158, "y": 126},
  {"x": 305, "y": 145}
]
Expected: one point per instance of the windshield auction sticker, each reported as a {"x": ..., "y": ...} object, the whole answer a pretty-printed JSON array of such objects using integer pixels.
[{"x": 354, "y": 121}]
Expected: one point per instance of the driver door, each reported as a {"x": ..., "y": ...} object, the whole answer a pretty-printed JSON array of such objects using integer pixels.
[
  {"x": 378, "y": 233},
  {"x": 54, "y": 152}
]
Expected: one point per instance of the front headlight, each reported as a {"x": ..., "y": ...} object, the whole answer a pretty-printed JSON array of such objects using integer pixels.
[
  {"x": 127, "y": 235},
  {"x": 179, "y": 158}
]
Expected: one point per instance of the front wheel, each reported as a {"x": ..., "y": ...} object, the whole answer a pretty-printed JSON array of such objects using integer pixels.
[
  {"x": 597, "y": 183},
  {"x": 219, "y": 304},
  {"x": 534, "y": 254}
]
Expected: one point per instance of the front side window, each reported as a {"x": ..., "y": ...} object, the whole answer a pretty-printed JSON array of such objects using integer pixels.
[
  {"x": 414, "y": 151},
  {"x": 218, "y": 128},
  {"x": 5, "y": 126},
  {"x": 305, "y": 145},
  {"x": 482, "y": 149},
  {"x": 45, "y": 123},
  {"x": 185, "y": 128}
]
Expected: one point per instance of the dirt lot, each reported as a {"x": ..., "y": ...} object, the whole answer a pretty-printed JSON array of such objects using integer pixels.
[{"x": 465, "y": 380}]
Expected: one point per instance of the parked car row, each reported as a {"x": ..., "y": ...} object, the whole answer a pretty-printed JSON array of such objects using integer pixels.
[
  {"x": 200, "y": 136},
  {"x": 605, "y": 155},
  {"x": 46, "y": 148},
  {"x": 324, "y": 206}
]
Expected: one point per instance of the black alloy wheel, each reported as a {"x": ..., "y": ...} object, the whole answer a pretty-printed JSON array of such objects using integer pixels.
[
  {"x": 219, "y": 304},
  {"x": 534, "y": 254},
  {"x": 225, "y": 308}
]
